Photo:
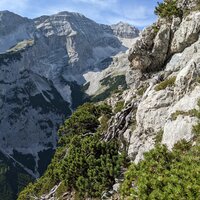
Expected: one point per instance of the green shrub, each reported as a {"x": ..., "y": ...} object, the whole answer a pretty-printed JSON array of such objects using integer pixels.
[
  {"x": 168, "y": 9},
  {"x": 106, "y": 113},
  {"x": 61, "y": 189},
  {"x": 159, "y": 137},
  {"x": 84, "y": 120},
  {"x": 112, "y": 85},
  {"x": 142, "y": 90},
  {"x": 155, "y": 28},
  {"x": 183, "y": 113},
  {"x": 119, "y": 106},
  {"x": 166, "y": 83},
  {"x": 91, "y": 165},
  {"x": 164, "y": 174},
  {"x": 196, "y": 128},
  {"x": 83, "y": 161},
  {"x": 104, "y": 122},
  {"x": 105, "y": 109}
]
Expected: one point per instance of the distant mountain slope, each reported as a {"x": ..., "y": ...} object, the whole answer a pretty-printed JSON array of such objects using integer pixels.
[
  {"x": 42, "y": 62},
  {"x": 13, "y": 178}
]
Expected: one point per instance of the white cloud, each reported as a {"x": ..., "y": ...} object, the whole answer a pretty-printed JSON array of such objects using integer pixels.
[
  {"x": 103, "y": 3},
  {"x": 139, "y": 16},
  {"x": 102, "y": 11},
  {"x": 16, "y": 6}
]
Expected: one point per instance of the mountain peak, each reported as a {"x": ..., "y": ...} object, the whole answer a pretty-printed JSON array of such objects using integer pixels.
[
  {"x": 3, "y": 12},
  {"x": 67, "y": 13},
  {"x": 6, "y": 14},
  {"x": 8, "y": 19},
  {"x": 122, "y": 23},
  {"x": 14, "y": 28},
  {"x": 125, "y": 30}
]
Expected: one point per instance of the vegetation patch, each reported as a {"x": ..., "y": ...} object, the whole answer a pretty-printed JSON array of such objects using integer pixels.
[
  {"x": 159, "y": 137},
  {"x": 142, "y": 90},
  {"x": 112, "y": 84},
  {"x": 119, "y": 106},
  {"x": 196, "y": 128},
  {"x": 191, "y": 113},
  {"x": 13, "y": 178},
  {"x": 156, "y": 28},
  {"x": 164, "y": 174},
  {"x": 168, "y": 9},
  {"x": 166, "y": 83},
  {"x": 83, "y": 162}
]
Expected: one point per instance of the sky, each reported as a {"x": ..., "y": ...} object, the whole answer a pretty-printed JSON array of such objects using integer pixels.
[{"x": 139, "y": 13}]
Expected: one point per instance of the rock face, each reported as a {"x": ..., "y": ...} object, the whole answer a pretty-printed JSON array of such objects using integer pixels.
[
  {"x": 160, "y": 41},
  {"x": 188, "y": 4},
  {"x": 157, "y": 107},
  {"x": 150, "y": 51},
  {"x": 42, "y": 67},
  {"x": 187, "y": 33}
]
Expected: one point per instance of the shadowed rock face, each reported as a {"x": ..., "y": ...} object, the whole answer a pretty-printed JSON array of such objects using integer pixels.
[
  {"x": 42, "y": 62},
  {"x": 14, "y": 29}
]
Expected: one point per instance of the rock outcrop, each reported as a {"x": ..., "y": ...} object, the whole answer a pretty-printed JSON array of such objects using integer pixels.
[
  {"x": 163, "y": 39},
  {"x": 151, "y": 50},
  {"x": 176, "y": 48}
]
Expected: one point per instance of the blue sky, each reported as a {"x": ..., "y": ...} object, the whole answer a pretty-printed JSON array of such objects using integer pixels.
[{"x": 136, "y": 12}]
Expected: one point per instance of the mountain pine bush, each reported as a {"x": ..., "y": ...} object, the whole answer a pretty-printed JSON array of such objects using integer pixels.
[
  {"x": 83, "y": 162},
  {"x": 164, "y": 174},
  {"x": 168, "y": 9}
]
